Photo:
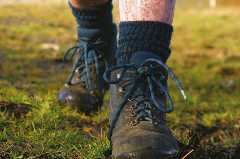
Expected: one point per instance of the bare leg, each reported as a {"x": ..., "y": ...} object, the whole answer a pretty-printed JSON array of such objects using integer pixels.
[
  {"x": 86, "y": 3},
  {"x": 147, "y": 10}
]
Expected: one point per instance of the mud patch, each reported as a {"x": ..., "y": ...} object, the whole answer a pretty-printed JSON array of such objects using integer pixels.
[
  {"x": 233, "y": 59},
  {"x": 194, "y": 147},
  {"x": 229, "y": 71},
  {"x": 15, "y": 109}
]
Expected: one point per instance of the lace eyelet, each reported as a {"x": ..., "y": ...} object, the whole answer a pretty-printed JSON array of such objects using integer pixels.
[
  {"x": 120, "y": 90},
  {"x": 133, "y": 123},
  {"x": 132, "y": 107},
  {"x": 133, "y": 114},
  {"x": 130, "y": 100},
  {"x": 154, "y": 123},
  {"x": 150, "y": 106},
  {"x": 118, "y": 75}
]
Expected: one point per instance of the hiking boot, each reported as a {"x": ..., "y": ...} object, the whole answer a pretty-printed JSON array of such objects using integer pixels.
[
  {"x": 138, "y": 108},
  {"x": 94, "y": 54}
]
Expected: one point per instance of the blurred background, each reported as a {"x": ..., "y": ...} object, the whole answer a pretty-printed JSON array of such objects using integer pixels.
[
  {"x": 211, "y": 3},
  {"x": 34, "y": 34}
]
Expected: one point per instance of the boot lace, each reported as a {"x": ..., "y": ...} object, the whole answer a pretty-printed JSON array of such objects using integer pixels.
[
  {"x": 89, "y": 53},
  {"x": 142, "y": 73}
]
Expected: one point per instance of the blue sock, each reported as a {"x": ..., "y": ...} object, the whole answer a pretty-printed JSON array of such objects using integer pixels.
[
  {"x": 147, "y": 36},
  {"x": 94, "y": 17}
]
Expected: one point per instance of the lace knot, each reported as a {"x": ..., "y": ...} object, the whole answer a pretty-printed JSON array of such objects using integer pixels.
[{"x": 144, "y": 70}]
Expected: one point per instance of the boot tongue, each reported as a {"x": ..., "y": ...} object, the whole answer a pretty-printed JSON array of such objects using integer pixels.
[
  {"x": 140, "y": 56},
  {"x": 91, "y": 35}
]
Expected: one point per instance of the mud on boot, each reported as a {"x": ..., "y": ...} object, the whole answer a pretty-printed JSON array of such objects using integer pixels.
[
  {"x": 94, "y": 54},
  {"x": 138, "y": 108}
]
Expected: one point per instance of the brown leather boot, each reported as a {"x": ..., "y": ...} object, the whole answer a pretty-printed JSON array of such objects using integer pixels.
[
  {"x": 138, "y": 108},
  {"x": 93, "y": 55}
]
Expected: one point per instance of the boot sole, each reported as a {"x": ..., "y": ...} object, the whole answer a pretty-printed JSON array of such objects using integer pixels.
[{"x": 153, "y": 154}]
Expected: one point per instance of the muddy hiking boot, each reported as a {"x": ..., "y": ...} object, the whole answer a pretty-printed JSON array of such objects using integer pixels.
[
  {"x": 138, "y": 108},
  {"x": 94, "y": 54}
]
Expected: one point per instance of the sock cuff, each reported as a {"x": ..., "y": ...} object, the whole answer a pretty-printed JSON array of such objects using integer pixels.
[
  {"x": 147, "y": 36},
  {"x": 94, "y": 17}
]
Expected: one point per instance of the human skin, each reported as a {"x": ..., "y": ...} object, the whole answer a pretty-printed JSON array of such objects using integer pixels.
[
  {"x": 137, "y": 10},
  {"x": 147, "y": 10},
  {"x": 86, "y": 3}
]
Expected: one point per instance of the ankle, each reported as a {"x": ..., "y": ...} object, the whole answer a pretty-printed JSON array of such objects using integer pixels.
[
  {"x": 146, "y": 36},
  {"x": 94, "y": 17}
]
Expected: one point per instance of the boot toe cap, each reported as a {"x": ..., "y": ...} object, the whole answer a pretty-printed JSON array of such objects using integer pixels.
[
  {"x": 78, "y": 98},
  {"x": 144, "y": 144}
]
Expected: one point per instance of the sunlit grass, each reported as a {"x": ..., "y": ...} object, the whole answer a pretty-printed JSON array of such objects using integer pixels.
[{"x": 205, "y": 57}]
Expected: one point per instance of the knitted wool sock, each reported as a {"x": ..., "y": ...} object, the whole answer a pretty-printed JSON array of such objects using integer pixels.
[
  {"x": 147, "y": 36},
  {"x": 94, "y": 17}
]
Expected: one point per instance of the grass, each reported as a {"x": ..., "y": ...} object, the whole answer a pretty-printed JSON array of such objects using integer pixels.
[{"x": 205, "y": 57}]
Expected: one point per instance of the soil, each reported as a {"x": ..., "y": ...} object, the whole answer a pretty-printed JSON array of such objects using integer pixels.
[{"x": 197, "y": 147}]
